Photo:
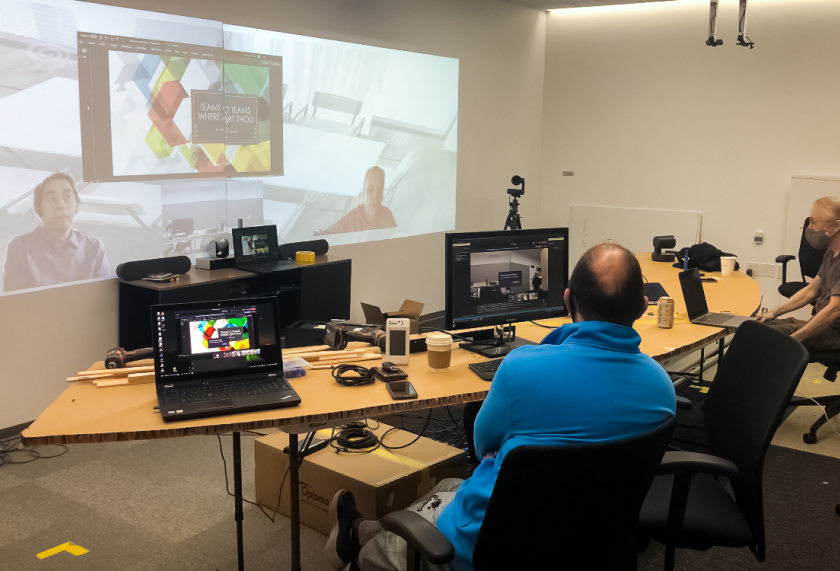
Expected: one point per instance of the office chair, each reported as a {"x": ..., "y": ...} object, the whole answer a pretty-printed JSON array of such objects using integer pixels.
[
  {"x": 810, "y": 260},
  {"x": 687, "y": 506},
  {"x": 332, "y": 103},
  {"x": 551, "y": 502}
]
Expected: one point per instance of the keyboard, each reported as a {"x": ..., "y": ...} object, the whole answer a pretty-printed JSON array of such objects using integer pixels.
[
  {"x": 487, "y": 369},
  {"x": 716, "y": 318},
  {"x": 215, "y": 392}
]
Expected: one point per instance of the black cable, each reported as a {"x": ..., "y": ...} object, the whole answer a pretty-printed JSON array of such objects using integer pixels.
[
  {"x": 363, "y": 375},
  {"x": 8, "y": 448},
  {"x": 355, "y": 438},
  {"x": 546, "y": 326},
  {"x": 419, "y": 435}
]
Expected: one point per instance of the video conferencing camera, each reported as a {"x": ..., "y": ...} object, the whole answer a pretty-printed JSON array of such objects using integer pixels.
[
  {"x": 516, "y": 180},
  {"x": 339, "y": 333}
]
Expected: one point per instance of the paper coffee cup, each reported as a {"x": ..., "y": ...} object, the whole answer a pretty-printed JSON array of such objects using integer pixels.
[
  {"x": 727, "y": 265},
  {"x": 439, "y": 350}
]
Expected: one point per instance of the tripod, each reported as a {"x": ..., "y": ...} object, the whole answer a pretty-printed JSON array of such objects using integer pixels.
[{"x": 513, "y": 222}]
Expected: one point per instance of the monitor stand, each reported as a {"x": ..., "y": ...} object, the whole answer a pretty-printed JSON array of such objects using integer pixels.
[{"x": 494, "y": 342}]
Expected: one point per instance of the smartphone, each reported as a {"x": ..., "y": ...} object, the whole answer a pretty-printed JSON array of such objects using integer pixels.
[{"x": 401, "y": 390}]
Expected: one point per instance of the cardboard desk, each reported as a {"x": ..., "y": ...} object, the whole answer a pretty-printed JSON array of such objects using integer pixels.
[{"x": 84, "y": 413}]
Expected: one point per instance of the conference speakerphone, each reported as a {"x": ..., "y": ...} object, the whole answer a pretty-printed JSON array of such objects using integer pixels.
[{"x": 155, "y": 110}]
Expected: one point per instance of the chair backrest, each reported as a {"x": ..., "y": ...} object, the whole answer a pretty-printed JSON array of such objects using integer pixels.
[
  {"x": 552, "y": 501},
  {"x": 810, "y": 258},
  {"x": 754, "y": 384},
  {"x": 336, "y": 103}
]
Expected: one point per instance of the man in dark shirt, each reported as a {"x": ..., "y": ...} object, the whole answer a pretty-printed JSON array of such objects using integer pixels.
[
  {"x": 371, "y": 215},
  {"x": 54, "y": 252},
  {"x": 822, "y": 331}
]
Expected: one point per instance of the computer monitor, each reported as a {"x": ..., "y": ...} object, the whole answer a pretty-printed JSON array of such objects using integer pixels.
[{"x": 498, "y": 278}]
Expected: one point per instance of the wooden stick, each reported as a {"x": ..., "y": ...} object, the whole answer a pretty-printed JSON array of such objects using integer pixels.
[
  {"x": 135, "y": 379},
  {"x": 123, "y": 371},
  {"x": 330, "y": 364}
]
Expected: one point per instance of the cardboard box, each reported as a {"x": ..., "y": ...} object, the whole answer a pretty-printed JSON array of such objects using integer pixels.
[
  {"x": 410, "y": 309},
  {"x": 381, "y": 481}
]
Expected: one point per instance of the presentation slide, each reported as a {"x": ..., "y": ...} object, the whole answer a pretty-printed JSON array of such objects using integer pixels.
[
  {"x": 131, "y": 135},
  {"x": 219, "y": 335},
  {"x": 177, "y": 110}
]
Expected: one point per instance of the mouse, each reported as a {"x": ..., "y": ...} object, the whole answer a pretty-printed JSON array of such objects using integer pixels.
[{"x": 389, "y": 367}]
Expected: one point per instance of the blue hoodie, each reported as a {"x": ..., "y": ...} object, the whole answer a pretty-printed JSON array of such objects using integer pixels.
[{"x": 586, "y": 382}]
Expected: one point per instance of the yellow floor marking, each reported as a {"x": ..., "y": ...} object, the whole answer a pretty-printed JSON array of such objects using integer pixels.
[{"x": 70, "y": 547}]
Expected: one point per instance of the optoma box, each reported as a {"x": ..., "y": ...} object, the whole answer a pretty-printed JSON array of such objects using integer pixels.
[{"x": 206, "y": 262}]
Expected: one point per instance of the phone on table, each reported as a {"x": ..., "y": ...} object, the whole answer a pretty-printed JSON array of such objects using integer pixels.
[{"x": 401, "y": 390}]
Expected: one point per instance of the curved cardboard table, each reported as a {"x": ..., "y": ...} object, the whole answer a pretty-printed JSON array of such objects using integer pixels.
[{"x": 86, "y": 414}]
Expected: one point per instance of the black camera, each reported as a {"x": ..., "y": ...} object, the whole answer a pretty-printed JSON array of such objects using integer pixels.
[{"x": 516, "y": 181}]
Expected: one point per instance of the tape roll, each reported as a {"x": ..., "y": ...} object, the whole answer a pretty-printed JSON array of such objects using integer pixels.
[{"x": 305, "y": 256}]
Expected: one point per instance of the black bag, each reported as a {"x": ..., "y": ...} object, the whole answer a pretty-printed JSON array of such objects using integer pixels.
[{"x": 703, "y": 256}]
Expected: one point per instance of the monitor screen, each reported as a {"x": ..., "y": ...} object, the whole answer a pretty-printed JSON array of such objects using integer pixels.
[
  {"x": 213, "y": 340},
  {"x": 493, "y": 278},
  {"x": 256, "y": 243}
]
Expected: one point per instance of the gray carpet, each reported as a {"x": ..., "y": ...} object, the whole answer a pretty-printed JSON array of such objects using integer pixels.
[{"x": 162, "y": 504}]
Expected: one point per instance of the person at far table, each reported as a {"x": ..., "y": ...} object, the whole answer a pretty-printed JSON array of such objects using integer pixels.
[
  {"x": 822, "y": 331},
  {"x": 371, "y": 214},
  {"x": 54, "y": 252},
  {"x": 586, "y": 382}
]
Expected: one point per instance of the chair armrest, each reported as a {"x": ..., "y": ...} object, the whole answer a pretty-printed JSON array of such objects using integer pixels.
[
  {"x": 421, "y": 535},
  {"x": 683, "y": 403},
  {"x": 696, "y": 463},
  {"x": 784, "y": 259}
]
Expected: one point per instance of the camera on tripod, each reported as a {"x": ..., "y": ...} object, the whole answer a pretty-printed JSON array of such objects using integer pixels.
[
  {"x": 514, "y": 221},
  {"x": 516, "y": 181}
]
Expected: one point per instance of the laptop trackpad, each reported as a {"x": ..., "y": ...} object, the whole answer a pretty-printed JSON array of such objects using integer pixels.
[{"x": 210, "y": 404}]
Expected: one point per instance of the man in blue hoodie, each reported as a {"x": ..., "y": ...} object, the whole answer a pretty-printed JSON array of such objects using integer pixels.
[{"x": 586, "y": 382}]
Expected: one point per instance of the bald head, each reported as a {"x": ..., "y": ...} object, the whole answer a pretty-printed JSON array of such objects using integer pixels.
[{"x": 606, "y": 285}]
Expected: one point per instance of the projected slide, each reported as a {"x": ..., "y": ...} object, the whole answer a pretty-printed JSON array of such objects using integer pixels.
[
  {"x": 219, "y": 335},
  {"x": 177, "y": 110}
]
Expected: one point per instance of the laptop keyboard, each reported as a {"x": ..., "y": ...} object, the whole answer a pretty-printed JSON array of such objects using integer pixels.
[
  {"x": 487, "y": 369},
  {"x": 716, "y": 318},
  {"x": 264, "y": 267},
  {"x": 215, "y": 392}
]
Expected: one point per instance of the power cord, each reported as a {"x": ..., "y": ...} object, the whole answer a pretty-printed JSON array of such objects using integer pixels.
[
  {"x": 363, "y": 375},
  {"x": 11, "y": 446},
  {"x": 546, "y": 326},
  {"x": 825, "y": 414}
]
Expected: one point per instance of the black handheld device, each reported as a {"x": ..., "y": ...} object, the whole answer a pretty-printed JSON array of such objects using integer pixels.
[{"x": 401, "y": 390}]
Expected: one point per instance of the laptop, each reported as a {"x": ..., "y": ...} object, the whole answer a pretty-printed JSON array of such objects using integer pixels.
[
  {"x": 698, "y": 310},
  {"x": 653, "y": 291},
  {"x": 219, "y": 357},
  {"x": 255, "y": 250}
]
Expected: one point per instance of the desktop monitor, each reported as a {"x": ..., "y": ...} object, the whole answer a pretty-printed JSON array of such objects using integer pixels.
[{"x": 501, "y": 277}]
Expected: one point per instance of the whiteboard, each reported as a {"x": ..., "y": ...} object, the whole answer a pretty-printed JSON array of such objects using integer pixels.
[
  {"x": 804, "y": 190},
  {"x": 633, "y": 228}
]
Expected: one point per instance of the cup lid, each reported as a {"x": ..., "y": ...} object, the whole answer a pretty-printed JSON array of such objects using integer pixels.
[{"x": 438, "y": 338}]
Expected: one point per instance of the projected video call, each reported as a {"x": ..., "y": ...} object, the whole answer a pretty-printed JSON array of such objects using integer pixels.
[{"x": 130, "y": 135}]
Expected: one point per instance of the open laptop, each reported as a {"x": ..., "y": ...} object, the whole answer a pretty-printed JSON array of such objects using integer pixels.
[
  {"x": 698, "y": 310},
  {"x": 219, "y": 357},
  {"x": 255, "y": 249}
]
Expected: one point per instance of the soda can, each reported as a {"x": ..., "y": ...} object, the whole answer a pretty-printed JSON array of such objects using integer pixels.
[{"x": 665, "y": 312}]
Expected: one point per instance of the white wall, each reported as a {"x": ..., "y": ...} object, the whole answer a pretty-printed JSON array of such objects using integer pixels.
[
  {"x": 501, "y": 48},
  {"x": 647, "y": 115}
]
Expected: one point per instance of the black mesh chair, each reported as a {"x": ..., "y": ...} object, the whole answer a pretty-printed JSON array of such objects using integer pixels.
[
  {"x": 810, "y": 259},
  {"x": 554, "y": 500},
  {"x": 687, "y": 505}
]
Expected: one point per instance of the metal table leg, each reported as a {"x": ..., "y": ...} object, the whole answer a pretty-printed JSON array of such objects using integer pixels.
[
  {"x": 294, "y": 500},
  {"x": 237, "y": 495}
]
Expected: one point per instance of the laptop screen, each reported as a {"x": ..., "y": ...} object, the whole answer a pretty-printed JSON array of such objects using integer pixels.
[
  {"x": 695, "y": 297},
  {"x": 215, "y": 340},
  {"x": 255, "y": 244}
]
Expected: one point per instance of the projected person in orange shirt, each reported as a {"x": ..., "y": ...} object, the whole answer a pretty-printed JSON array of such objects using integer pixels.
[
  {"x": 371, "y": 215},
  {"x": 54, "y": 252}
]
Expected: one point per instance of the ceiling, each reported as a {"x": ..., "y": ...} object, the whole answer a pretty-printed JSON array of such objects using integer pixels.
[{"x": 549, "y": 4}]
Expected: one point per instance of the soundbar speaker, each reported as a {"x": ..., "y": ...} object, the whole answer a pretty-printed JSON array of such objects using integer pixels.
[
  {"x": 320, "y": 247},
  {"x": 130, "y": 271}
]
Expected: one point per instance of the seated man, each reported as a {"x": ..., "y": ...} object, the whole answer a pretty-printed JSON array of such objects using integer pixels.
[
  {"x": 586, "y": 382},
  {"x": 822, "y": 331},
  {"x": 371, "y": 215},
  {"x": 54, "y": 252}
]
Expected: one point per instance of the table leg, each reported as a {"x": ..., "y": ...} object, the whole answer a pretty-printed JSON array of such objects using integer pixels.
[
  {"x": 237, "y": 495},
  {"x": 702, "y": 362},
  {"x": 721, "y": 345},
  {"x": 294, "y": 500}
]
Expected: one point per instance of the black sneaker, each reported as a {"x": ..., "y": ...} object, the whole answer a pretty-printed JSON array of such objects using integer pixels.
[{"x": 343, "y": 543}]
